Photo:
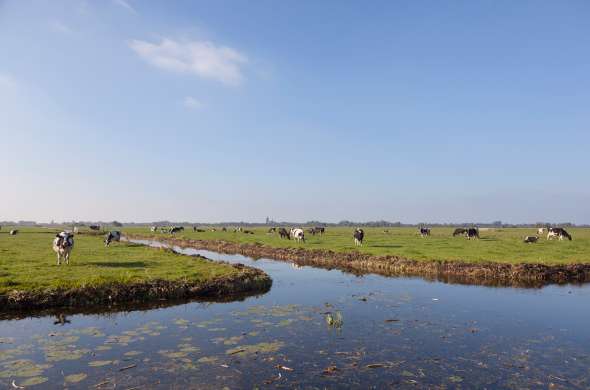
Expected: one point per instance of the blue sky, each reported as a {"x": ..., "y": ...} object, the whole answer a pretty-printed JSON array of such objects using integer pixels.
[{"x": 297, "y": 110}]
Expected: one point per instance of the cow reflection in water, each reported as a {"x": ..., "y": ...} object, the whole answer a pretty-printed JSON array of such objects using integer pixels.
[
  {"x": 61, "y": 319},
  {"x": 296, "y": 266}
]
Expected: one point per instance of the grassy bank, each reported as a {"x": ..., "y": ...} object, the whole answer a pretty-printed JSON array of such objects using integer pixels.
[
  {"x": 503, "y": 246},
  {"x": 122, "y": 272}
]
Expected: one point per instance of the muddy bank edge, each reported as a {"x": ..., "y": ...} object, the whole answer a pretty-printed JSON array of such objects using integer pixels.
[
  {"x": 484, "y": 273},
  {"x": 246, "y": 281}
]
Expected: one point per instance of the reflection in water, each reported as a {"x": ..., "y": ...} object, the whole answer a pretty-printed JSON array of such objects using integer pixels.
[
  {"x": 316, "y": 328},
  {"x": 61, "y": 319}
]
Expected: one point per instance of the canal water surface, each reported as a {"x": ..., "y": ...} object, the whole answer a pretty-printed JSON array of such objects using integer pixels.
[{"x": 316, "y": 328}]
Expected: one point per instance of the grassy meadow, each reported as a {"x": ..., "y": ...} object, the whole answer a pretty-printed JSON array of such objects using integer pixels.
[
  {"x": 496, "y": 245},
  {"x": 27, "y": 262}
]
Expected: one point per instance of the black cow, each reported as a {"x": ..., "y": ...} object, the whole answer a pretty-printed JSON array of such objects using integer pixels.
[
  {"x": 283, "y": 233},
  {"x": 94, "y": 227},
  {"x": 359, "y": 236},
  {"x": 531, "y": 239}
]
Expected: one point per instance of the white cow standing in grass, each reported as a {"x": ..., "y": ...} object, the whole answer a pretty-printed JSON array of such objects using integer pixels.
[
  {"x": 297, "y": 234},
  {"x": 63, "y": 243}
]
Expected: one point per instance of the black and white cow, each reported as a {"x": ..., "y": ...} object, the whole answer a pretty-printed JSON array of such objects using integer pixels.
[
  {"x": 531, "y": 239},
  {"x": 114, "y": 235},
  {"x": 63, "y": 243},
  {"x": 283, "y": 233},
  {"x": 317, "y": 230},
  {"x": 94, "y": 227},
  {"x": 559, "y": 233},
  {"x": 176, "y": 229},
  {"x": 424, "y": 232},
  {"x": 154, "y": 229},
  {"x": 297, "y": 234},
  {"x": 13, "y": 232},
  {"x": 459, "y": 232},
  {"x": 359, "y": 236},
  {"x": 472, "y": 233}
]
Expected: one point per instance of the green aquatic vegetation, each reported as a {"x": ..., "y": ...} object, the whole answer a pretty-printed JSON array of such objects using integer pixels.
[
  {"x": 11, "y": 353},
  {"x": 285, "y": 322},
  {"x": 58, "y": 354},
  {"x": 185, "y": 347},
  {"x": 75, "y": 378},
  {"x": 181, "y": 322},
  {"x": 100, "y": 363},
  {"x": 234, "y": 340},
  {"x": 132, "y": 353},
  {"x": 173, "y": 354},
  {"x": 217, "y": 330},
  {"x": 22, "y": 368},
  {"x": 251, "y": 349},
  {"x": 103, "y": 348},
  {"x": 334, "y": 321},
  {"x": 34, "y": 381},
  {"x": 208, "y": 360}
]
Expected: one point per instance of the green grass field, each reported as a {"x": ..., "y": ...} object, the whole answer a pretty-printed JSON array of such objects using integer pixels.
[
  {"x": 497, "y": 245},
  {"x": 27, "y": 262}
]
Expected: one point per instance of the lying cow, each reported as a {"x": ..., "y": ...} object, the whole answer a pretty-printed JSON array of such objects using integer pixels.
[
  {"x": 531, "y": 239},
  {"x": 559, "y": 233},
  {"x": 424, "y": 232},
  {"x": 297, "y": 234},
  {"x": 359, "y": 236},
  {"x": 13, "y": 232},
  {"x": 115, "y": 235},
  {"x": 459, "y": 232},
  {"x": 248, "y": 232},
  {"x": 284, "y": 234},
  {"x": 94, "y": 227},
  {"x": 63, "y": 243}
]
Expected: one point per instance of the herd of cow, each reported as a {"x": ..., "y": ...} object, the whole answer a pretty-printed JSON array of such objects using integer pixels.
[{"x": 63, "y": 243}]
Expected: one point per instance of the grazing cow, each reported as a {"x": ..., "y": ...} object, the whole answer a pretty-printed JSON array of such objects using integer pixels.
[
  {"x": 237, "y": 230},
  {"x": 13, "y": 232},
  {"x": 459, "y": 232},
  {"x": 317, "y": 230},
  {"x": 297, "y": 234},
  {"x": 176, "y": 229},
  {"x": 212, "y": 230},
  {"x": 154, "y": 229},
  {"x": 284, "y": 234},
  {"x": 63, "y": 243},
  {"x": 531, "y": 239},
  {"x": 224, "y": 229},
  {"x": 540, "y": 231},
  {"x": 272, "y": 230},
  {"x": 94, "y": 227},
  {"x": 472, "y": 233},
  {"x": 359, "y": 236},
  {"x": 115, "y": 235},
  {"x": 558, "y": 232},
  {"x": 424, "y": 231}
]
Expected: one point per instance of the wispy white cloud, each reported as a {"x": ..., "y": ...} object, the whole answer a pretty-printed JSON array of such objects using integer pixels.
[
  {"x": 192, "y": 103},
  {"x": 125, "y": 4},
  {"x": 60, "y": 27},
  {"x": 201, "y": 58}
]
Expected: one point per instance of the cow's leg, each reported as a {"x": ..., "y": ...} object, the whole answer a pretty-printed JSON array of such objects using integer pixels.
[{"x": 58, "y": 258}]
